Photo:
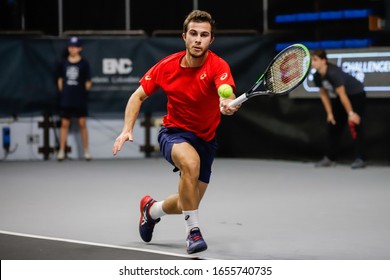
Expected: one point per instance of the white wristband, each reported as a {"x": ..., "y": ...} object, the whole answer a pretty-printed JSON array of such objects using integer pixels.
[{"x": 351, "y": 113}]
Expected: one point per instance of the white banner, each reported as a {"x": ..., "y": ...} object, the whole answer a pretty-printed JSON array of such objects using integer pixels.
[{"x": 200, "y": 269}]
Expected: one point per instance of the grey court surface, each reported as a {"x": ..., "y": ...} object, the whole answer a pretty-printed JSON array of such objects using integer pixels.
[{"x": 253, "y": 209}]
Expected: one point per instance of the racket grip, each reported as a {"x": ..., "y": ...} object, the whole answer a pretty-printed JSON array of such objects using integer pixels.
[{"x": 239, "y": 100}]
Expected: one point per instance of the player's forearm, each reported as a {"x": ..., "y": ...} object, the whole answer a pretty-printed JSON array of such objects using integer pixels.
[
  {"x": 131, "y": 115},
  {"x": 344, "y": 99},
  {"x": 346, "y": 103},
  {"x": 326, "y": 102},
  {"x": 133, "y": 108},
  {"x": 59, "y": 84},
  {"x": 88, "y": 85}
]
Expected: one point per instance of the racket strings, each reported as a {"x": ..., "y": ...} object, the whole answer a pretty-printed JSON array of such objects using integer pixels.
[{"x": 287, "y": 71}]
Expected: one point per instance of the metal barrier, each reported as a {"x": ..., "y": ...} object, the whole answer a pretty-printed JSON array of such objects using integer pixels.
[
  {"x": 138, "y": 32},
  {"x": 221, "y": 32}
]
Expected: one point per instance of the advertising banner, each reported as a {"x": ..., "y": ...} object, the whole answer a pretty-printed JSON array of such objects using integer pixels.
[
  {"x": 28, "y": 68},
  {"x": 370, "y": 66}
]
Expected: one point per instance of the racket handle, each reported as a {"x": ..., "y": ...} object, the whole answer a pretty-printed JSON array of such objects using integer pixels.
[{"x": 239, "y": 100}]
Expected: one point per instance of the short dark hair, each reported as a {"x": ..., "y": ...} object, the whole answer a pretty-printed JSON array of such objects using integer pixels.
[
  {"x": 199, "y": 16},
  {"x": 320, "y": 53}
]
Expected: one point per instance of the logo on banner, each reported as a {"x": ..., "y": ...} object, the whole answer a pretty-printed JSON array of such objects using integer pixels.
[
  {"x": 115, "y": 76},
  {"x": 121, "y": 66}
]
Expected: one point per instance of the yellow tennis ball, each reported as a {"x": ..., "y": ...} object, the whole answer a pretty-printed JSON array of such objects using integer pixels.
[{"x": 225, "y": 91}]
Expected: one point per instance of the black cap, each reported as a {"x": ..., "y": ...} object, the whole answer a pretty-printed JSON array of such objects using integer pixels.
[{"x": 74, "y": 41}]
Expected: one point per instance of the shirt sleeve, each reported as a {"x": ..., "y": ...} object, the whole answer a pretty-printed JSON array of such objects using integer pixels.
[
  {"x": 87, "y": 71},
  {"x": 336, "y": 77},
  {"x": 149, "y": 80},
  {"x": 224, "y": 75},
  {"x": 59, "y": 72}
]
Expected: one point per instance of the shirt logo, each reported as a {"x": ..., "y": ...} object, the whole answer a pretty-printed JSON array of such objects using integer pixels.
[
  {"x": 224, "y": 76},
  {"x": 203, "y": 76},
  {"x": 72, "y": 74},
  {"x": 148, "y": 78}
]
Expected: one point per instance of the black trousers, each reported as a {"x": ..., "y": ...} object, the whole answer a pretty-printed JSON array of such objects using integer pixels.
[{"x": 358, "y": 102}]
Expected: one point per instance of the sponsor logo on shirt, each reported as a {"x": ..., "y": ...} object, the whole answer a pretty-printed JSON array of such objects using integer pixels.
[{"x": 224, "y": 76}]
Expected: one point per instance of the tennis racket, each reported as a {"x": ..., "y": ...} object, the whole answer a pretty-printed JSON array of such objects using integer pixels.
[{"x": 286, "y": 71}]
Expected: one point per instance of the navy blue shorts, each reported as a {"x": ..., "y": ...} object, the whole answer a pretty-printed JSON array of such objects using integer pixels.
[
  {"x": 69, "y": 113},
  {"x": 206, "y": 150}
]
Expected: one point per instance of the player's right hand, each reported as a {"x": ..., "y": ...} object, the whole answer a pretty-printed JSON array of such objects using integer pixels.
[
  {"x": 330, "y": 119},
  {"x": 120, "y": 140},
  {"x": 226, "y": 109}
]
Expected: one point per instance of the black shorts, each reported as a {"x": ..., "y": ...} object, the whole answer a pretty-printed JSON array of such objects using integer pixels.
[
  {"x": 69, "y": 113},
  {"x": 206, "y": 150}
]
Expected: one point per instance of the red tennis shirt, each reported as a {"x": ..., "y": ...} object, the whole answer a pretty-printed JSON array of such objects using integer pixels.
[{"x": 193, "y": 100}]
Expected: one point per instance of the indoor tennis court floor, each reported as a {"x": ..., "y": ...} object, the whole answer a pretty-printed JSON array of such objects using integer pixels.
[{"x": 253, "y": 209}]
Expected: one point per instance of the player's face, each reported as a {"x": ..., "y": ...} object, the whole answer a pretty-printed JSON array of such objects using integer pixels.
[
  {"x": 198, "y": 38},
  {"x": 317, "y": 62}
]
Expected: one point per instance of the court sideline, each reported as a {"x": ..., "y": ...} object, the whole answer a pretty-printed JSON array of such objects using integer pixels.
[{"x": 253, "y": 209}]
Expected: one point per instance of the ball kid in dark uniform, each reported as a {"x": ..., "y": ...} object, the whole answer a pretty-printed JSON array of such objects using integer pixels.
[
  {"x": 344, "y": 100},
  {"x": 74, "y": 83}
]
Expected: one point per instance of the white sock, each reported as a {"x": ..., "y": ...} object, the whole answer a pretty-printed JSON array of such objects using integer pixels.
[
  {"x": 156, "y": 210},
  {"x": 191, "y": 218}
]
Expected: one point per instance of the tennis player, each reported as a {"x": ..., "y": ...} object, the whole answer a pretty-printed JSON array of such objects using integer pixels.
[{"x": 187, "y": 138}]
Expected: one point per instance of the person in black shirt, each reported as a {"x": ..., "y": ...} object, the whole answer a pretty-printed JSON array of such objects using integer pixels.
[
  {"x": 343, "y": 98},
  {"x": 74, "y": 83}
]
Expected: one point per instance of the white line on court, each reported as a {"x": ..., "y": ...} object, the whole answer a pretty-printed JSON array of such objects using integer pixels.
[{"x": 101, "y": 245}]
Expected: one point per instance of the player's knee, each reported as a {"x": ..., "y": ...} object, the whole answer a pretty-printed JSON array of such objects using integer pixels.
[
  {"x": 82, "y": 124},
  {"x": 190, "y": 167},
  {"x": 65, "y": 123}
]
